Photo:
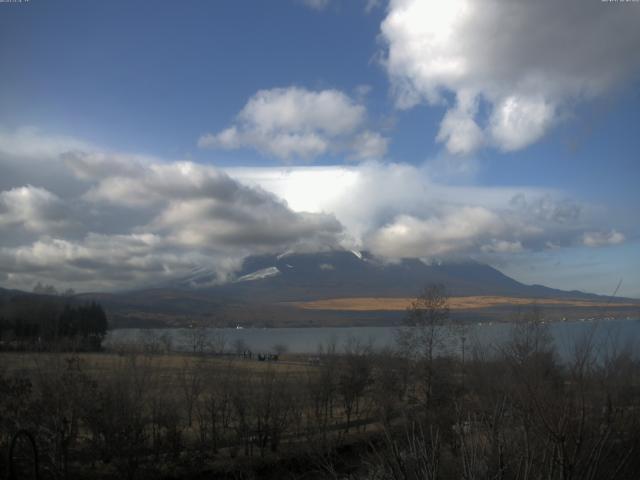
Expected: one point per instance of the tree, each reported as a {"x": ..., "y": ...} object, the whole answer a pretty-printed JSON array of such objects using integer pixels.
[
  {"x": 191, "y": 383},
  {"x": 196, "y": 339},
  {"x": 88, "y": 322},
  {"x": 354, "y": 377},
  {"x": 240, "y": 346},
  {"x": 425, "y": 333},
  {"x": 530, "y": 338},
  {"x": 280, "y": 349},
  {"x": 4, "y": 327},
  {"x": 41, "y": 289}
]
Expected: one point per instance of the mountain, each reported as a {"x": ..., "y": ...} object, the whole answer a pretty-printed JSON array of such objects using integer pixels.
[
  {"x": 341, "y": 274},
  {"x": 268, "y": 290}
]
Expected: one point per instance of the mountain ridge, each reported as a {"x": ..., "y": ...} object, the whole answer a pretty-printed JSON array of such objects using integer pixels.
[
  {"x": 340, "y": 273},
  {"x": 269, "y": 290}
]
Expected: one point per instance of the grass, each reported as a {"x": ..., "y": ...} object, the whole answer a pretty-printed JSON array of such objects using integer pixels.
[
  {"x": 361, "y": 304},
  {"x": 97, "y": 364}
]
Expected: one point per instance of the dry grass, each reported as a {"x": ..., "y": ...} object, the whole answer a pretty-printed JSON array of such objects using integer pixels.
[
  {"x": 104, "y": 363},
  {"x": 455, "y": 303}
]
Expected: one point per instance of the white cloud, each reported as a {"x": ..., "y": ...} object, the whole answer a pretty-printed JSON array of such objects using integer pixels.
[
  {"x": 293, "y": 123},
  {"x": 459, "y": 130},
  {"x": 315, "y": 4},
  {"x": 600, "y": 239},
  {"x": 454, "y": 232},
  {"x": 399, "y": 209},
  {"x": 368, "y": 145},
  {"x": 527, "y": 61},
  {"x": 518, "y": 121},
  {"x": 321, "y": 5},
  {"x": 291, "y": 109},
  {"x": 371, "y": 5}
]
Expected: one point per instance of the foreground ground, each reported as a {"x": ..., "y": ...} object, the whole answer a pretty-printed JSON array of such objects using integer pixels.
[{"x": 513, "y": 412}]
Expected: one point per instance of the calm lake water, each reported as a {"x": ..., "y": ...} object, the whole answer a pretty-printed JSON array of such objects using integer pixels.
[{"x": 606, "y": 333}]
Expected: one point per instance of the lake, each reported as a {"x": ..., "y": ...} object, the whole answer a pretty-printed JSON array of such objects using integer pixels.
[{"x": 612, "y": 332}]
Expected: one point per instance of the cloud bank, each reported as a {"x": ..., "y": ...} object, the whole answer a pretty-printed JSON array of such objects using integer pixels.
[
  {"x": 506, "y": 70},
  {"x": 399, "y": 210},
  {"x": 131, "y": 221},
  {"x": 91, "y": 219}
]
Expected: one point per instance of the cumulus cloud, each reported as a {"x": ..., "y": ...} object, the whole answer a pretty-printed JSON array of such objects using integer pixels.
[
  {"x": 528, "y": 62},
  {"x": 600, "y": 239},
  {"x": 459, "y": 130},
  {"x": 295, "y": 123},
  {"x": 453, "y": 232},
  {"x": 368, "y": 144}
]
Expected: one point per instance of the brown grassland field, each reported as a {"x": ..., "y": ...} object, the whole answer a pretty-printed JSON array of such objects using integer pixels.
[
  {"x": 103, "y": 363},
  {"x": 455, "y": 303}
]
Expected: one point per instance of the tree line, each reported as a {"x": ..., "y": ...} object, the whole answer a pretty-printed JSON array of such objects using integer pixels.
[{"x": 38, "y": 321}]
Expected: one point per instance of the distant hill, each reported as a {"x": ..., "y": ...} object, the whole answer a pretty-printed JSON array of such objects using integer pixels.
[
  {"x": 4, "y": 293},
  {"x": 265, "y": 289}
]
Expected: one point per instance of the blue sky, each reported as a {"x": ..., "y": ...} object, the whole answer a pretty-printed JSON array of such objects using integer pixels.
[{"x": 471, "y": 111}]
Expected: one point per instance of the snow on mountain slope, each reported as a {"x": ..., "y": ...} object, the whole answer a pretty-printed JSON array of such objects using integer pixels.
[{"x": 259, "y": 274}]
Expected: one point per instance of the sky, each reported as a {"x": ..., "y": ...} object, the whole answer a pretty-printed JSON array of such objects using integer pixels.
[{"x": 140, "y": 141}]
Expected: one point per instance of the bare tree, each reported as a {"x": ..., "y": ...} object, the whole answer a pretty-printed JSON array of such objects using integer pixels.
[
  {"x": 280, "y": 349},
  {"x": 217, "y": 340},
  {"x": 191, "y": 383},
  {"x": 240, "y": 346},
  {"x": 354, "y": 377},
  {"x": 424, "y": 332},
  {"x": 388, "y": 385},
  {"x": 214, "y": 411},
  {"x": 411, "y": 455},
  {"x": 117, "y": 417},
  {"x": 196, "y": 339}
]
